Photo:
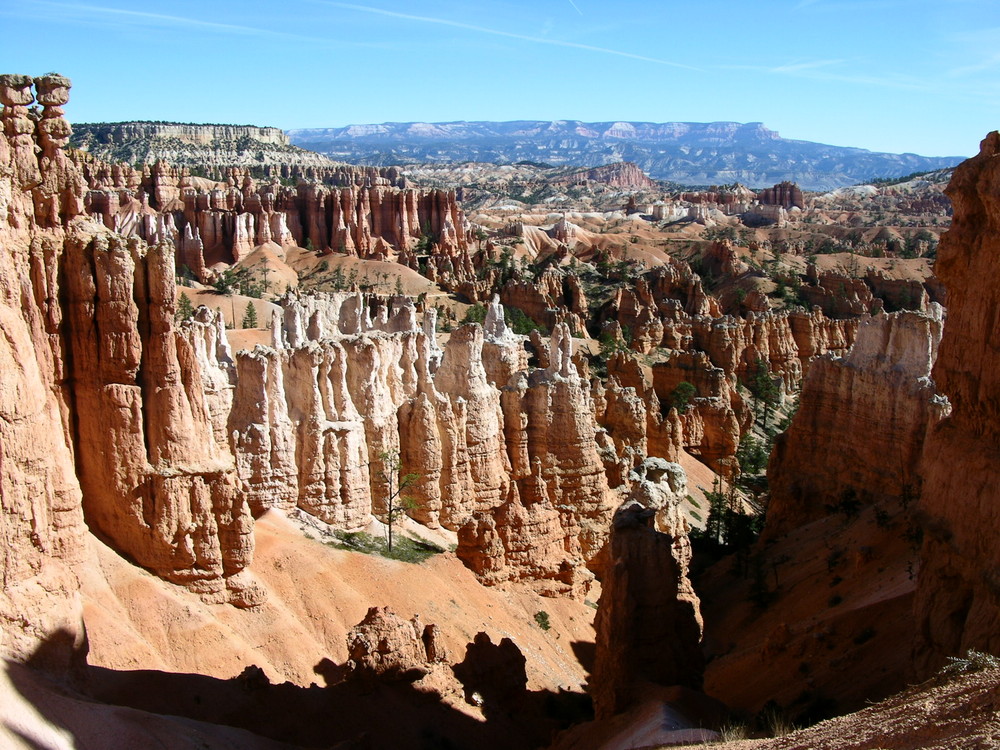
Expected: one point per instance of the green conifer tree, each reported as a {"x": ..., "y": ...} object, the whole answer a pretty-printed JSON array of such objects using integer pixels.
[
  {"x": 249, "y": 317},
  {"x": 184, "y": 308}
]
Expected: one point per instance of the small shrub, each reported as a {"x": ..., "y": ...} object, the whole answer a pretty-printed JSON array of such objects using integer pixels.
[
  {"x": 475, "y": 314},
  {"x": 733, "y": 732},
  {"x": 682, "y": 396},
  {"x": 542, "y": 619},
  {"x": 404, "y": 549},
  {"x": 774, "y": 721},
  {"x": 974, "y": 661}
]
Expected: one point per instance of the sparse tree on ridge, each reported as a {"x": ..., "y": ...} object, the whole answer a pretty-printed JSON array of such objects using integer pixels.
[{"x": 396, "y": 504}]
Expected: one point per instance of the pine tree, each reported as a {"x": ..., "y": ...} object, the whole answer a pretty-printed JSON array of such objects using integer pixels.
[
  {"x": 249, "y": 317},
  {"x": 184, "y": 308},
  {"x": 396, "y": 483}
]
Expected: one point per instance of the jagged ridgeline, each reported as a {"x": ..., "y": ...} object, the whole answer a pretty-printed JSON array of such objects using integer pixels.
[
  {"x": 690, "y": 153},
  {"x": 201, "y": 147}
]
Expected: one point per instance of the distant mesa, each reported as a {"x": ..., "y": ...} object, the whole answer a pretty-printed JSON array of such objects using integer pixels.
[
  {"x": 190, "y": 144},
  {"x": 690, "y": 153}
]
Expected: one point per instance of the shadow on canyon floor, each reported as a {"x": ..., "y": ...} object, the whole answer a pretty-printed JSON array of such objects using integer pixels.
[{"x": 347, "y": 713}]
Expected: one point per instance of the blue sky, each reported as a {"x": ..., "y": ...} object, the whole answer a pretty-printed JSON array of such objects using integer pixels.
[{"x": 891, "y": 75}]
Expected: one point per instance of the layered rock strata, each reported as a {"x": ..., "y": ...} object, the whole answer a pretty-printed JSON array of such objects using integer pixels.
[
  {"x": 156, "y": 483},
  {"x": 881, "y": 390},
  {"x": 358, "y": 214},
  {"x": 507, "y": 456}
]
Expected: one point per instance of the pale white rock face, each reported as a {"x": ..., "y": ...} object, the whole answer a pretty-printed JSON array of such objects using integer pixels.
[
  {"x": 561, "y": 354},
  {"x": 503, "y": 350},
  {"x": 462, "y": 376},
  {"x": 661, "y": 486},
  {"x": 277, "y": 335},
  {"x": 262, "y": 433},
  {"x": 206, "y": 333},
  {"x": 434, "y": 351},
  {"x": 331, "y": 450},
  {"x": 905, "y": 342}
]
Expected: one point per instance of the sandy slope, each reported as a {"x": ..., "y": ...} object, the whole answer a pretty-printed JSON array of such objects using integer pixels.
[{"x": 315, "y": 595}]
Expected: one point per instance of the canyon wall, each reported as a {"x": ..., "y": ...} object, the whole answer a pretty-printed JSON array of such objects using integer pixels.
[
  {"x": 167, "y": 444},
  {"x": 202, "y": 135},
  {"x": 958, "y": 595},
  {"x": 860, "y": 427},
  {"x": 362, "y": 212},
  {"x": 41, "y": 524},
  {"x": 200, "y": 146}
]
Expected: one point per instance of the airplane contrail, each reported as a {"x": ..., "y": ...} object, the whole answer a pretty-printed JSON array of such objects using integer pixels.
[
  {"x": 497, "y": 32},
  {"x": 575, "y": 6}
]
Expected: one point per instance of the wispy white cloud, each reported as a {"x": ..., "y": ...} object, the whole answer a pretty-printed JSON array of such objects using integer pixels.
[
  {"x": 819, "y": 70},
  {"x": 152, "y": 19},
  {"x": 982, "y": 44},
  {"x": 810, "y": 65},
  {"x": 507, "y": 34},
  {"x": 109, "y": 16},
  {"x": 987, "y": 63}
]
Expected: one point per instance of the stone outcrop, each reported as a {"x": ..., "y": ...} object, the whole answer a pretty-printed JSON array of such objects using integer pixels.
[
  {"x": 387, "y": 647},
  {"x": 112, "y": 413},
  {"x": 156, "y": 483},
  {"x": 957, "y": 604},
  {"x": 648, "y": 622},
  {"x": 555, "y": 517},
  {"x": 624, "y": 175},
  {"x": 861, "y": 423},
  {"x": 785, "y": 194},
  {"x": 554, "y": 298},
  {"x": 195, "y": 145}
]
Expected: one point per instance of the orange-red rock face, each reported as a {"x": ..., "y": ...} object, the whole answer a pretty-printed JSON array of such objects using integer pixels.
[
  {"x": 958, "y": 597},
  {"x": 623, "y": 174},
  {"x": 648, "y": 623},
  {"x": 861, "y": 423},
  {"x": 785, "y": 194},
  {"x": 156, "y": 483},
  {"x": 361, "y": 214},
  {"x": 41, "y": 519},
  {"x": 555, "y": 517}
]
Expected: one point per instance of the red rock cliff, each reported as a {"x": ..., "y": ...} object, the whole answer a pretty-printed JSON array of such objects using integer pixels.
[
  {"x": 41, "y": 523},
  {"x": 958, "y": 596}
]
